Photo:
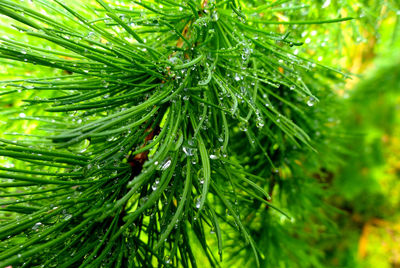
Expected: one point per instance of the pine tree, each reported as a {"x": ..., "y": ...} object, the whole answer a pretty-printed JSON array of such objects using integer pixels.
[{"x": 163, "y": 133}]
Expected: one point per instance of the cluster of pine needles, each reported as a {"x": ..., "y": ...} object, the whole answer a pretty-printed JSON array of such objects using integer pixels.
[{"x": 166, "y": 120}]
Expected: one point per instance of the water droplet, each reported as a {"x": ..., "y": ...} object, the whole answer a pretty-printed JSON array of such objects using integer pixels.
[
  {"x": 326, "y": 4},
  {"x": 188, "y": 151},
  {"x": 80, "y": 147},
  {"x": 36, "y": 226},
  {"x": 22, "y": 115},
  {"x": 154, "y": 186},
  {"x": 112, "y": 138},
  {"x": 198, "y": 203},
  {"x": 166, "y": 164},
  {"x": 213, "y": 156},
  {"x": 167, "y": 260},
  {"x": 214, "y": 15},
  {"x": 310, "y": 101},
  {"x": 259, "y": 122},
  {"x": 243, "y": 126}
]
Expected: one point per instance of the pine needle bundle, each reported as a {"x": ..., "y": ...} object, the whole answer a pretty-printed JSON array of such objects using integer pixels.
[{"x": 167, "y": 124}]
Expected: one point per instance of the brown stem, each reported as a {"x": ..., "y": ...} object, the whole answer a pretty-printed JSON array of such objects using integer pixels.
[{"x": 137, "y": 161}]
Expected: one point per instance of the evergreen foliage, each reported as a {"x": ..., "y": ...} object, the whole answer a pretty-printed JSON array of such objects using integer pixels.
[{"x": 171, "y": 133}]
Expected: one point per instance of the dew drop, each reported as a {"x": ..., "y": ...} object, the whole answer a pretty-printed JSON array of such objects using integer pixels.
[
  {"x": 237, "y": 77},
  {"x": 36, "y": 226},
  {"x": 243, "y": 126},
  {"x": 154, "y": 186},
  {"x": 310, "y": 101},
  {"x": 167, "y": 260},
  {"x": 112, "y": 138},
  {"x": 260, "y": 122},
  {"x": 326, "y": 3},
  {"x": 198, "y": 203},
  {"x": 188, "y": 151},
  {"x": 166, "y": 164}
]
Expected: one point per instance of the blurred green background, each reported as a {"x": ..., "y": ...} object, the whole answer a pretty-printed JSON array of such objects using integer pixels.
[{"x": 366, "y": 184}]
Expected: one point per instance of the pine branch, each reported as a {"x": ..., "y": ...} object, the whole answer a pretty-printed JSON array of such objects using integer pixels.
[{"x": 151, "y": 130}]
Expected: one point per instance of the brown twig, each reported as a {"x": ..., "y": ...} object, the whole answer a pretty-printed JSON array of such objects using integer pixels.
[{"x": 137, "y": 161}]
